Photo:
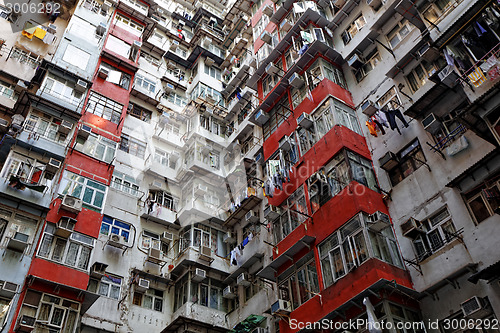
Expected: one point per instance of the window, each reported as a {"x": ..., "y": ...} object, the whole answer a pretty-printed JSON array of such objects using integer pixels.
[
  {"x": 164, "y": 199},
  {"x": 166, "y": 159},
  {"x": 362, "y": 170},
  {"x": 104, "y": 107},
  {"x": 128, "y": 24},
  {"x": 419, "y": 75},
  {"x": 390, "y": 98},
  {"x": 125, "y": 183},
  {"x": 132, "y": 146},
  {"x": 298, "y": 94},
  {"x": 353, "y": 29},
  {"x": 204, "y": 91},
  {"x": 484, "y": 201},
  {"x": 351, "y": 245},
  {"x": 6, "y": 89},
  {"x": 399, "y": 32},
  {"x": 114, "y": 226},
  {"x": 76, "y": 57},
  {"x": 28, "y": 170},
  {"x": 269, "y": 82},
  {"x": 94, "y": 6},
  {"x": 61, "y": 88},
  {"x": 277, "y": 116},
  {"x": 115, "y": 76},
  {"x": 409, "y": 160},
  {"x": 437, "y": 10},
  {"x": 107, "y": 286},
  {"x": 213, "y": 125},
  {"x": 291, "y": 218},
  {"x": 152, "y": 299},
  {"x": 118, "y": 46},
  {"x": 146, "y": 83},
  {"x": 213, "y": 72},
  {"x": 150, "y": 240},
  {"x": 177, "y": 99},
  {"x": 4, "y": 310},
  {"x": 202, "y": 235},
  {"x": 74, "y": 251},
  {"x": 261, "y": 25},
  {"x": 58, "y": 313},
  {"x": 298, "y": 285},
  {"x": 44, "y": 126},
  {"x": 91, "y": 192},
  {"x": 322, "y": 69},
  {"x": 98, "y": 147},
  {"x": 206, "y": 293},
  {"x": 255, "y": 286},
  {"x": 373, "y": 59},
  {"x": 139, "y": 112}
]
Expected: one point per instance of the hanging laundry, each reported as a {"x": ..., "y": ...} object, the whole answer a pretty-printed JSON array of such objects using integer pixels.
[
  {"x": 494, "y": 73},
  {"x": 379, "y": 125},
  {"x": 391, "y": 115},
  {"x": 371, "y": 128},
  {"x": 477, "y": 77}
]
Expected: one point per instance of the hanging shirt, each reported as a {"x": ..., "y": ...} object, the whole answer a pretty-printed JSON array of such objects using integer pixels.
[{"x": 371, "y": 128}]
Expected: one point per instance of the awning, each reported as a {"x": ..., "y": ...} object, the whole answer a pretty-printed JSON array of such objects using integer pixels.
[
  {"x": 489, "y": 273},
  {"x": 248, "y": 324}
]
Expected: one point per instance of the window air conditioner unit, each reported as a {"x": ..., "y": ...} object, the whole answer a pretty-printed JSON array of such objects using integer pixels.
[
  {"x": 52, "y": 28},
  {"x": 154, "y": 256},
  {"x": 305, "y": 120},
  {"x": 411, "y": 227},
  {"x": 427, "y": 52},
  {"x": 229, "y": 292},
  {"x": 142, "y": 286},
  {"x": 26, "y": 323},
  {"x": 281, "y": 307},
  {"x": 206, "y": 42},
  {"x": 103, "y": 73},
  {"x": 368, "y": 108},
  {"x": 296, "y": 81},
  {"x": 265, "y": 36},
  {"x": 106, "y": 5},
  {"x": 431, "y": 123},
  {"x": 448, "y": 76},
  {"x": 101, "y": 29},
  {"x": 4, "y": 125},
  {"x": 285, "y": 25},
  {"x": 18, "y": 242},
  {"x": 388, "y": 161},
  {"x": 173, "y": 46},
  {"x": 53, "y": 165},
  {"x": 117, "y": 241},
  {"x": 8, "y": 288},
  {"x": 167, "y": 236},
  {"x": 268, "y": 10},
  {"x": 271, "y": 213},
  {"x": 378, "y": 221},
  {"x": 200, "y": 189},
  {"x": 285, "y": 144},
  {"x": 271, "y": 69},
  {"x": 65, "y": 127},
  {"x": 71, "y": 204},
  {"x": 156, "y": 184},
  {"x": 169, "y": 87},
  {"x": 199, "y": 275},
  {"x": 65, "y": 227},
  {"x": 205, "y": 253},
  {"x": 137, "y": 44},
  {"x": 475, "y": 307},
  {"x": 80, "y": 86},
  {"x": 209, "y": 61},
  {"x": 356, "y": 61},
  {"x": 160, "y": 11},
  {"x": 98, "y": 270},
  {"x": 84, "y": 132},
  {"x": 374, "y": 3},
  {"x": 252, "y": 217},
  {"x": 243, "y": 280},
  {"x": 259, "y": 158},
  {"x": 229, "y": 237},
  {"x": 261, "y": 117}
]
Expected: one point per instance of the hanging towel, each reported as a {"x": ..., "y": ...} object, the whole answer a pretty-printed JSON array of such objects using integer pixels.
[
  {"x": 477, "y": 77},
  {"x": 371, "y": 128}
]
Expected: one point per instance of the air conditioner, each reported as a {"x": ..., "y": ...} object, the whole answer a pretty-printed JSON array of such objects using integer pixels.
[
  {"x": 18, "y": 242},
  {"x": 411, "y": 227},
  {"x": 9, "y": 288},
  {"x": 210, "y": 99},
  {"x": 374, "y": 3},
  {"x": 242, "y": 280},
  {"x": 296, "y": 81},
  {"x": 84, "y": 132},
  {"x": 137, "y": 44},
  {"x": 252, "y": 217},
  {"x": 160, "y": 11},
  {"x": 142, "y": 286},
  {"x": 157, "y": 184},
  {"x": 155, "y": 256},
  {"x": 356, "y": 61},
  {"x": 431, "y": 123},
  {"x": 101, "y": 29},
  {"x": 448, "y": 76},
  {"x": 117, "y": 241},
  {"x": 169, "y": 87},
  {"x": 259, "y": 158},
  {"x": 281, "y": 307},
  {"x": 475, "y": 307},
  {"x": 200, "y": 190},
  {"x": 206, "y": 42},
  {"x": 209, "y": 61},
  {"x": 271, "y": 69},
  {"x": 305, "y": 120},
  {"x": 229, "y": 292},
  {"x": 205, "y": 253},
  {"x": 368, "y": 108},
  {"x": 53, "y": 165},
  {"x": 71, "y": 204},
  {"x": 52, "y": 28},
  {"x": 98, "y": 270},
  {"x": 285, "y": 25},
  {"x": 65, "y": 127},
  {"x": 388, "y": 161},
  {"x": 26, "y": 323},
  {"x": 378, "y": 221},
  {"x": 266, "y": 37},
  {"x": 199, "y": 275},
  {"x": 268, "y": 10},
  {"x": 103, "y": 73},
  {"x": 173, "y": 46},
  {"x": 167, "y": 236},
  {"x": 271, "y": 213},
  {"x": 261, "y": 117},
  {"x": 106, "y": 5},
  {"x": 427, "y": 52},
  {"x": 65, "y": 226},
  {"x": 80, "y": 86},
  {"x": 229, "y": 237},
  {"x": 285, "y": 144},
  {"x": 4, "y": 125}
]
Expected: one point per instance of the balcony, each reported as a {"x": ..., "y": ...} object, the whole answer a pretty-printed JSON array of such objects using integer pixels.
[
  {"x": 252, "y": 253},
  {"x": 149, "y": 95},
  {"x": 236, "y": 75},
  {"x": 159, "y": 214},
  {"x": 34, "y": 193},
  {"x": 196, "y": 317},
  {"x": 68, "y": 102},
  {"x": 191, "y": 255},
  {"x": 44, "y": 143},
  {"x": 134, "y": 8},
  {"x": 281, "y": 11},
  {"x": 483, "y": 75},
  {"x": 247, "y": 198},
  {"x": 237, "y": 104},
  {"x": 153, "y": 166},
  {"x": 19, "y": 62}
]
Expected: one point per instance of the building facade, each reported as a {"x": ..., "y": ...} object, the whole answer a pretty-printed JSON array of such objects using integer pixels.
[{"x": 193, "y": 166}]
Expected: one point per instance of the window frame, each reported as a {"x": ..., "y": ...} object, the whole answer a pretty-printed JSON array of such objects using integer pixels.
[
  {"x": 80, "y": 184},
  {"x": 111, "y": 110}
]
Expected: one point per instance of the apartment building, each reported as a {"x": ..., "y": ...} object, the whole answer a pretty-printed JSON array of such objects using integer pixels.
[{"x": 190, "y": 166}]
